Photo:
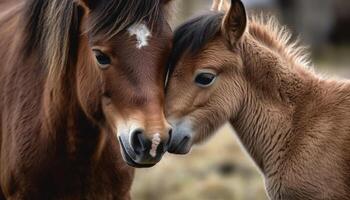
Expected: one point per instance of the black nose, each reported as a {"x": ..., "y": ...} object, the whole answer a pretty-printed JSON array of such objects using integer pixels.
[
  {"x": 143, "y": 145},
  {"x": 170, "y": 134},
  {"x": 139, "y": 143},
  {"x": 179, "y": 144}
]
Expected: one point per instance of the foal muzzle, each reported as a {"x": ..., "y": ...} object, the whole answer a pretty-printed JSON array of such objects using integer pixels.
[{"x": 181, "y": 140}]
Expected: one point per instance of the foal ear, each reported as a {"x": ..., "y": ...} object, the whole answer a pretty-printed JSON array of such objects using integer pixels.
[
  {"x": 234, "y": 23},
  {"x": 220, "y": 6},
  {"x": 215, "y": 5}
]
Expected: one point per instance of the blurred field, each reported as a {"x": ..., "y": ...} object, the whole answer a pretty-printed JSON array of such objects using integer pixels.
[{"x": 217, "y": 170}]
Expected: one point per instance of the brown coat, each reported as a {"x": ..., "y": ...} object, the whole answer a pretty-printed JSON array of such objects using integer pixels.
[
  {"x": 294, "y": 123},
  {"x": 56, "y": 68}
]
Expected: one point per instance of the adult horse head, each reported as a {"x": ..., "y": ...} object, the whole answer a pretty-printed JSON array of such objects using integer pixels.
[
  {"x": 77, "y": 76},
  {"x": 122, "y": 46}
]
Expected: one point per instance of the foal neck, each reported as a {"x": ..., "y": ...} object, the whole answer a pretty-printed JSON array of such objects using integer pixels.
[{"x": 275, "y": 89}]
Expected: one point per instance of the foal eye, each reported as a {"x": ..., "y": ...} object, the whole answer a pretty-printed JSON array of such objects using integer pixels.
[
  {"x": 102, "y": 59},
  {"x": 205, "y": 79}
]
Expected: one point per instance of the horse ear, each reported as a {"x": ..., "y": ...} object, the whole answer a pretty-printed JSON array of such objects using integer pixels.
[
  {"x": 215, "y": 5},
  {"x": 220, "y": 6},
  {"x": 167, "y": 1},
  {"x": 234, "y": 22},
  {"x": 86, "y": 4}
]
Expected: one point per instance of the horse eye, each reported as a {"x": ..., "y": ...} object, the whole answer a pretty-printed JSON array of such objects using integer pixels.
[
  {"x": 205, "y": 79},
  {"x": 102, "y": 59}
]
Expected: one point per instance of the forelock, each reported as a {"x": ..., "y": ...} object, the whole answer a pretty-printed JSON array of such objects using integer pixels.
[
  {"x": 110, "y": 17},
  {"x": 192, "y": 36}
]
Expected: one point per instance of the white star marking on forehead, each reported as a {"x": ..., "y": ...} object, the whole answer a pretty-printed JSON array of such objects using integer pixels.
[{"x": 142, "y": 34}]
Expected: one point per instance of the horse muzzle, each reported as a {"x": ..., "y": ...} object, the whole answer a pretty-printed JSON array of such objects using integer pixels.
[
  {"x": 181, "y": 140},
  {"x": 140, "y": 152},
  {"x": 180, "y": 144}
]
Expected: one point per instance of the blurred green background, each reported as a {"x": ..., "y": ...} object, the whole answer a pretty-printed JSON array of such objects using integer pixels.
[{"x": 220, "y": 169}]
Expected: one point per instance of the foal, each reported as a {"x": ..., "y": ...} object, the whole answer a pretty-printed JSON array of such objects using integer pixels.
[{"x": 294, "y": 124}]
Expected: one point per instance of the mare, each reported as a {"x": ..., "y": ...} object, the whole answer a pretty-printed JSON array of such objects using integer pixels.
[
  {"x": 82, "y": 87},
  {"x": 244, "y": 70}
]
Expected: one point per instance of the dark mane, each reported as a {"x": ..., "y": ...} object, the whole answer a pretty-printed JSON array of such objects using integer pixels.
[
  {"x": 112, "y": 16},
  {"x": 107, "y": 17},
  {"x": 193, "y": 35}
]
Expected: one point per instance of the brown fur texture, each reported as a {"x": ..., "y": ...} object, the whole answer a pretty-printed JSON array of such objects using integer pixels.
[
  {"x": 57, "y": 141},
  {"x": 293, "y": 123}
]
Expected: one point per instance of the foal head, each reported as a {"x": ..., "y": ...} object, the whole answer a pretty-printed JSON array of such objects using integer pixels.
[
  {"x": 109, "y": 56},
  {"x": 205, "y": 75}
]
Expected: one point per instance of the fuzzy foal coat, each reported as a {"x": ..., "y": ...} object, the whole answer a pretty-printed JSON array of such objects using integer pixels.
[
  {"x": 293, "y": 123},
  {"x": 297, "y": 129}
]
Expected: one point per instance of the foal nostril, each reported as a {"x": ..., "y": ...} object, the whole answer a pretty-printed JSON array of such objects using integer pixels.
[
  {"x": 184, "y": 141},
  {"x": 137, "y": 141}
]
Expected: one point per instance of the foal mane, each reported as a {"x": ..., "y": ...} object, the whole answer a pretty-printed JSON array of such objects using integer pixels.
[
  {"x": 268, "y": 31},
  {"x": 194, "y": 34}
]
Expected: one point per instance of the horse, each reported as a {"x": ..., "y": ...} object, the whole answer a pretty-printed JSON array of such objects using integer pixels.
[
  {"x": 246, "y": 70},
  {"x": 81, "y": 96}
]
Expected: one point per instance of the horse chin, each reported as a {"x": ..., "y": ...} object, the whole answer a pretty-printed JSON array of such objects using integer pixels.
[{"x": 129, "y": 155}]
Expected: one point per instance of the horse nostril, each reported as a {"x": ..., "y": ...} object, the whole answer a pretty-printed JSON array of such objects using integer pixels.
[
  {"x": 169, "y": 139},
  {"x": 170, "y": 132},
  {"x": 137, "y": 141},
  {"x": 184, "y": 141}
]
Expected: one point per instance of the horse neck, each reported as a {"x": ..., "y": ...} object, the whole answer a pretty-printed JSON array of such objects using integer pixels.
[
  {"x": 275, "y": 88},
  {"x": 62, "y": 107},
  {"x": 75, "y": 128}
]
